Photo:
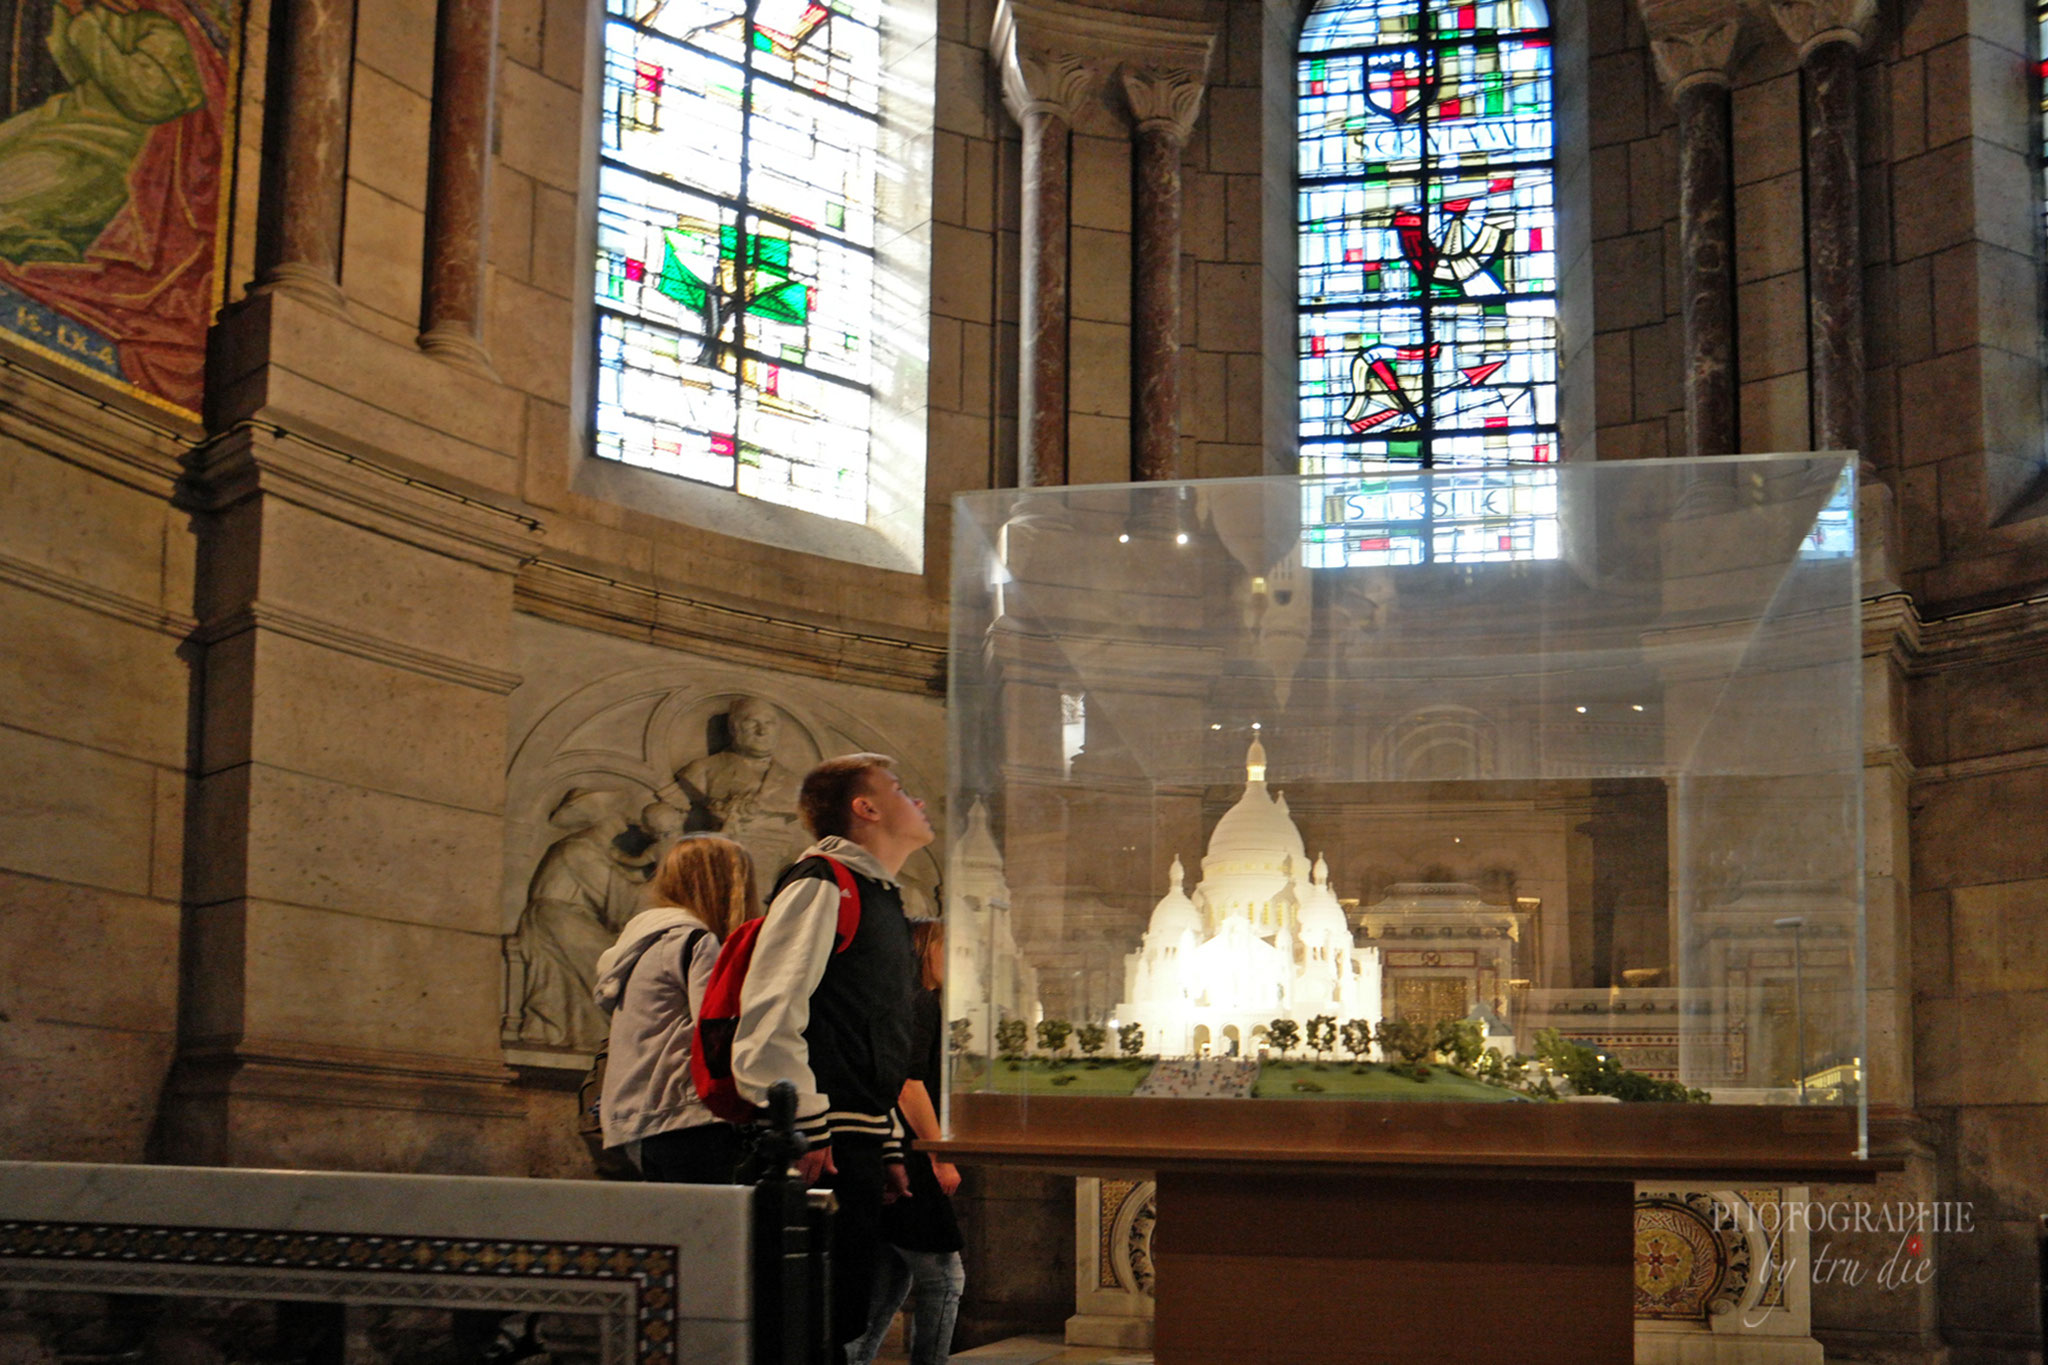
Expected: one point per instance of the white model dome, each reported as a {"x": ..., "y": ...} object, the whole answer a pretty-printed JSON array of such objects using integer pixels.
[
  {"x": 1175, "y": 913},
  {"x": 1258, "y": 828},
  {"x": 1318, "y": 910}
]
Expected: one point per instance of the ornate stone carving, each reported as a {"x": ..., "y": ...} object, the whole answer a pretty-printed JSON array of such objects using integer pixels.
[
  {"x": 744, "y": 792},
  {"x": 1812, "y": 24},
  {"x": 585, "y": 888},
  {"x": 1044, "y": 83},
  {"x": 1164, "y": 99},
  {"x": 1692, "y": 41}
]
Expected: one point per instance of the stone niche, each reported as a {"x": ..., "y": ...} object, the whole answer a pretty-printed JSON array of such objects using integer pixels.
[{"x": 614, "y": 760}]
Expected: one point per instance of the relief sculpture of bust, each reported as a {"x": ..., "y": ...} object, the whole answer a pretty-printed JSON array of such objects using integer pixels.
[{"x": 745, "y": 792}]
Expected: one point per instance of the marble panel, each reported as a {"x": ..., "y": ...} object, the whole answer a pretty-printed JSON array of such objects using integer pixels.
[
  {"x": 2001, "y": 936},
  {"x": 1100, "y": 384},
  {"x": 328, "y": 712},
  {"x": 72, "y": 522},
  {"x": 532, "y": 113},
  {"x": 1955, "y": 1066},
  {"x": 315, "y": 842},
  {"x": 566, "y": 29},
  {"x": 395, "y": 38},
  {"x": 361, "y": 580},
  {"x": 707, "y": 1225},
  {"x": 1101, "y": 277},
  {"x": 519, "y": 31},
  {"x": 557, "y": 224},
  {"x": 1926, "y": 190},
  {"x": 79, "y": 1091},
  {"x": 1771, "y": 326},
  {"x": 388, "y": 129},
  {"x": 1775, "y": 414},
  {"x": 1770, "y": 232},
  {"x": 76, "y": 674},
  {"x": 1101, "y": 180},
  {"x": 363, "y": 982},
  {"x": 1227, "y": 307},
  {"x": 380, "y": 256},
  {"x": 2001, "y": 1159},
  {"x": 1628, "y": 281},
  {"x": 1983, "y": 1286},
  {"x": 960, "y": 273},
  {"x": 1939, "y": 408},
  {"x": 75, "y": 814},
  {"x": 511, "y": 223},
  {"x": 528, "y": 333},
  {"x": 84, "y": 956},
  {"x": 1764, "y": 129}
]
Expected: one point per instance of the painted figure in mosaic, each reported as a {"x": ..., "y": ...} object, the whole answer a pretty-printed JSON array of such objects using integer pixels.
[
  {"x": 744, "y": 791},
  {"x": 587, "y": 885},
  {"x": 64, "y": 164},
  {"x": 111, "y": 134}
]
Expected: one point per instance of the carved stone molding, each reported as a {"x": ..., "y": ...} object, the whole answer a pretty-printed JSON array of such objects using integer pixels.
[
  {"x": 1812, "y": 24},
  {"x": 1692, "y": 41},
  {"x": 1057, "y": 55},
  {"x": 254, "y": 457},
  {"x": 1165, "y": 99}
]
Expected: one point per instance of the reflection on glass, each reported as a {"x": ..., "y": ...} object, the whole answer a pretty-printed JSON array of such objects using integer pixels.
[{"x": 1250, "y": 805}]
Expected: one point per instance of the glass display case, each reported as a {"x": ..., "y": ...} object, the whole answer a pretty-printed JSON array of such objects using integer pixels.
[{"x": 1470, "y": 786}]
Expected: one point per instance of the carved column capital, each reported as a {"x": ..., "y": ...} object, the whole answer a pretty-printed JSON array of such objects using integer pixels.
[
  {"x": 1165, "y": 99},
  {"x": 1059, "y": 55},
  {"x": 1812, "y": 24},
  {"x": 1692, "y": 41}
]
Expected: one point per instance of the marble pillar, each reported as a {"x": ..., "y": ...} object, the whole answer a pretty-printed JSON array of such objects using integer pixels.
[
  {"x": 305, "y": 166},
  {"x": 452, "y": 292},
  {"x": 1693, "y": 43},
  {"x": 1164, "y": 102},
  {"x": 1834, "y": 247},
  {"x": 1043, "y": 91},
  {"x": 1829, "y": 35}
]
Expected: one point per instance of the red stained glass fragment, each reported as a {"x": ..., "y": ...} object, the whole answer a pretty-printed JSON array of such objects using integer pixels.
[
  {"x": 1376, "y": 543},
  {"x": 722, "y": 445},
  {"x": 636, "y": 271}
]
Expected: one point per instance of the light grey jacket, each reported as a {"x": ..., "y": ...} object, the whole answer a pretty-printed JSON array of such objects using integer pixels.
[{"x": 647, "y": 1087}]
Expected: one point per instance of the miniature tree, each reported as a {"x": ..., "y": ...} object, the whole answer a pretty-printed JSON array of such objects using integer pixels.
[
  {"x": 959, "y": 1034},
  {"x": 1322, "y": 1034},
  {"x": 1412, "y": 1042},
  {"x": 1012, "y": 1035},
  {"x": 1283, "y": 1034},
  {"x": 1357, "y": 1035},
  {"x": 1130, "y": 1039},
  {"x": 1091, "y": 1037},
  {"x": 1053, "y": 1034},
  {"x": 1460, "y": 1043}
]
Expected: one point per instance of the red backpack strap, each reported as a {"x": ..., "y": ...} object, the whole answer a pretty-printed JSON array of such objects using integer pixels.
[{"x": 849, "y": 903}]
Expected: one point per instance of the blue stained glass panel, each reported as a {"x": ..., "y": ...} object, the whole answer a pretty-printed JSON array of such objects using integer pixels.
[
  {"x": 735, "y": 271},
  {"x": 1428, "y": 252}
]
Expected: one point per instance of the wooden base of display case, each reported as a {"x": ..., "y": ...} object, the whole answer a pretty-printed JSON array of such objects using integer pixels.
[
  {"x": 1254, "y": 1269},
  {"x": 1400, "y": 1234}
]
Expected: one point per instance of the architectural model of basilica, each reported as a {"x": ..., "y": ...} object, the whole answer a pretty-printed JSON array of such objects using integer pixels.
[{"x": 1263, "y": 937}]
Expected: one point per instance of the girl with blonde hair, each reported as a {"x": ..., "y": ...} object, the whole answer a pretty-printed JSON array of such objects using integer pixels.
[{"x": 651, "y": 983}]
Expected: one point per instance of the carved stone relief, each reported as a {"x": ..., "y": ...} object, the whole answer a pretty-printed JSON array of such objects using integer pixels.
[{"x": 606, "y": 780}]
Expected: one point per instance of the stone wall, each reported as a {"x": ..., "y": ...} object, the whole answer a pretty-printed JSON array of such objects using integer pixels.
[{"x": 270, "y": 818}]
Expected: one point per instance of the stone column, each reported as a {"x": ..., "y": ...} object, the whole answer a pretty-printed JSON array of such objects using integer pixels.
[
  {"x": 1164, "y": 102},
  {"x": 1693, "y": 43},
  {"x": 465, "y": 65},
  {"x": 1043, "y": 91},
  {"x": 305, "y": 165},
  {"x": 1830, "y": 35}
]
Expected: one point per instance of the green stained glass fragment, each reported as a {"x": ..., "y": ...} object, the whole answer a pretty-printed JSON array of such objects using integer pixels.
[
  {"x": 676, "y": 280},
  {"x": 785, "y": 302}
]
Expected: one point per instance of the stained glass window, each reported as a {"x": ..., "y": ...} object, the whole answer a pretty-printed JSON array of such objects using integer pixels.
[
  {"x": 735, "y": 271},
  {"x": 2041, "y": 75},
  {"x": 1428, "y": 247}
]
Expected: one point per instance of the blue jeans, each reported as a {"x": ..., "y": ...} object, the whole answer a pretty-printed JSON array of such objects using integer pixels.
[{"x": 939, "y": 1277}]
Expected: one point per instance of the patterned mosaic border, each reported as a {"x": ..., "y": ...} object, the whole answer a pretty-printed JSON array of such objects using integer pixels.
[{"x": 272, "y": 1257}]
